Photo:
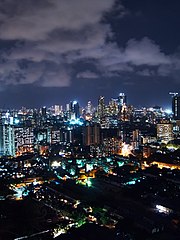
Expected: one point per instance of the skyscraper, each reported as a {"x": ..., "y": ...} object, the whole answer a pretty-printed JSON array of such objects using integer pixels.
[
  {"x": 24, "y": 140},
  {"x": 91, "y": 135},
  {"x": 101, "y": 107},
  {"x": 89, "y": 108},
  {"x": 43, "y": 110},
  {"x": 165, "y": 132},
  {"x": 122, "y": 99},
  {"x": 176, "y": 107},
  {"x": 7, "y": 143},
  {"x": 57, "y": 110},
  {"x": 113, "y": 106},
  {"x": 75, "y": 109}
]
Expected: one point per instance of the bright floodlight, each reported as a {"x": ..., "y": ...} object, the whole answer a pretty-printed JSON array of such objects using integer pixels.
[
  {"x": 88, "y": 182},
  {"x": 168, "y": 111},
  {"x": 162, "y": 209}
]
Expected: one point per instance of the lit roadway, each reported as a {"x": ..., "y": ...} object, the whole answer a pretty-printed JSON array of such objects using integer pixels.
[{"x": 33, "y": 235}]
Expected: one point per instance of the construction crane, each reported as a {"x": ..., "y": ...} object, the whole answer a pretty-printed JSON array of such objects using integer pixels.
[{"x": 173, "y": 94}]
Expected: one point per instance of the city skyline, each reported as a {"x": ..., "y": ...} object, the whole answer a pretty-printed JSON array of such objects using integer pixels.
[
  {"x": 94, "y": 101},
  {"x": 89, "y": 119},
  {"x": 53, "y": 52}
]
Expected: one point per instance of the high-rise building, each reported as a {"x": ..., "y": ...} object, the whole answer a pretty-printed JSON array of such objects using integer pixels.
[
  {"x": 111, "y": 146},
  {"x": 43, "y": 110},
  {"x": 74, "y": 110},
  {"x": 55, "y": 136},
  {"x": 24, "y": 140},
  {"x": 101, "y": 107},
  {"x": 7, "y": 143},
  {"x": 91, "y": 135},
  {"x": 176, "y": 107},
  {"x": 113, "y": 106},
  {"x": 136, "y": 139},
  {"x": 42, "y": 136},
  {"x": 75, "y": 106},
  {"x": 165, "y": 132},
  {"x": 122, "y": 99},
  {"x": 57, "y": 110},
  {"x": 89, "y": 107}
]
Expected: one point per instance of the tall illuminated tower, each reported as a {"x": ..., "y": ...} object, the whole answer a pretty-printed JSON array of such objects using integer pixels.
[
  {"x": 7, "y": 140},
  {"x": 113, "y": 106},
  {"x": 73, "y": 109},
  {"x": 122, "y": 99},
  {"x": 101, "y": 107},
  {"x": 89, "y": 107},
  {"x": 176, "y": 107},
  {"x": 43, "y": 111},
  {"x": 57, "y": 110}
]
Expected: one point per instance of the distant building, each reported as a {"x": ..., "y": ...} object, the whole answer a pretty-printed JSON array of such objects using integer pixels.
[
  {"x": 74, "y": 110},
  {"x": 89, "y": 108},
  {"x": 113, "y": 107},
  {"x": 122, "y": 99},
  {"x": 111, "y": 146},
  {"x": 57, "y": 110},
  {"x": 136, "y": 139},
  {"x": 176, "y": 107},
  {"x": 42, "y": 136},
  {"x": 126, "y": 113},
  {"x": 44, "y": 111},
  {"x": 7, "y": 143},
  {"x": 146, "y": 151},
  {"x": 24, "y": 140},
  {"x": 91, "y": 135},
  {"x": 164, "y": 132},
  {"x": 55, "y": 136},
  {"x": 101, "y": 107}
]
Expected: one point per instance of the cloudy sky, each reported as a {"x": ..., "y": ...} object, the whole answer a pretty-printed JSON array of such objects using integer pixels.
[{"x": 54, "y": 51}]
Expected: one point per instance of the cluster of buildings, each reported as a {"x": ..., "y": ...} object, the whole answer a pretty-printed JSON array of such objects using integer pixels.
[
  {"x": 122, "y": 155},
  {"x": 98, "y": 131}
]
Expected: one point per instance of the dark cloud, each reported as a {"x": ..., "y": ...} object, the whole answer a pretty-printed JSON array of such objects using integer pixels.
[
  {"x": 48, "y": 30},
  {"x": 87, "y": 74},
  {"x": 51, "y": 40},
  {"x": 36, "y": 19}
]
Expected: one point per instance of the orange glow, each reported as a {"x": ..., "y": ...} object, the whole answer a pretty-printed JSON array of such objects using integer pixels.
[{"x": 126, "y": 150}]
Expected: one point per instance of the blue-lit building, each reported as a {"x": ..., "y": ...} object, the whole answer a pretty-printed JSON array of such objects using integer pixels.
[
  {"x": 122, "y": 99},
  {"x": 74, "y": 110},
  {"x": 7, "y": 140}
]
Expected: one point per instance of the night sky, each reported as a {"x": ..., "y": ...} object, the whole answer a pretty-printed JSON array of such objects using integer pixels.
[{"x": 54, "y": 51}]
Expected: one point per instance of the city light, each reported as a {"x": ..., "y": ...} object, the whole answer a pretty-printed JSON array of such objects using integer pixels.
[
  {"x": 76, "y": 122},
  {"x": 55, "y": 164},
  {"x": 118, "y": 147},
  {"x": 88, "y": 182},
  {"x": 89, "y": 120},
  {"x": 168, "y": 111},
  {"x": 163, "y": 209},
  {"x": 126, "y": 150}
]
